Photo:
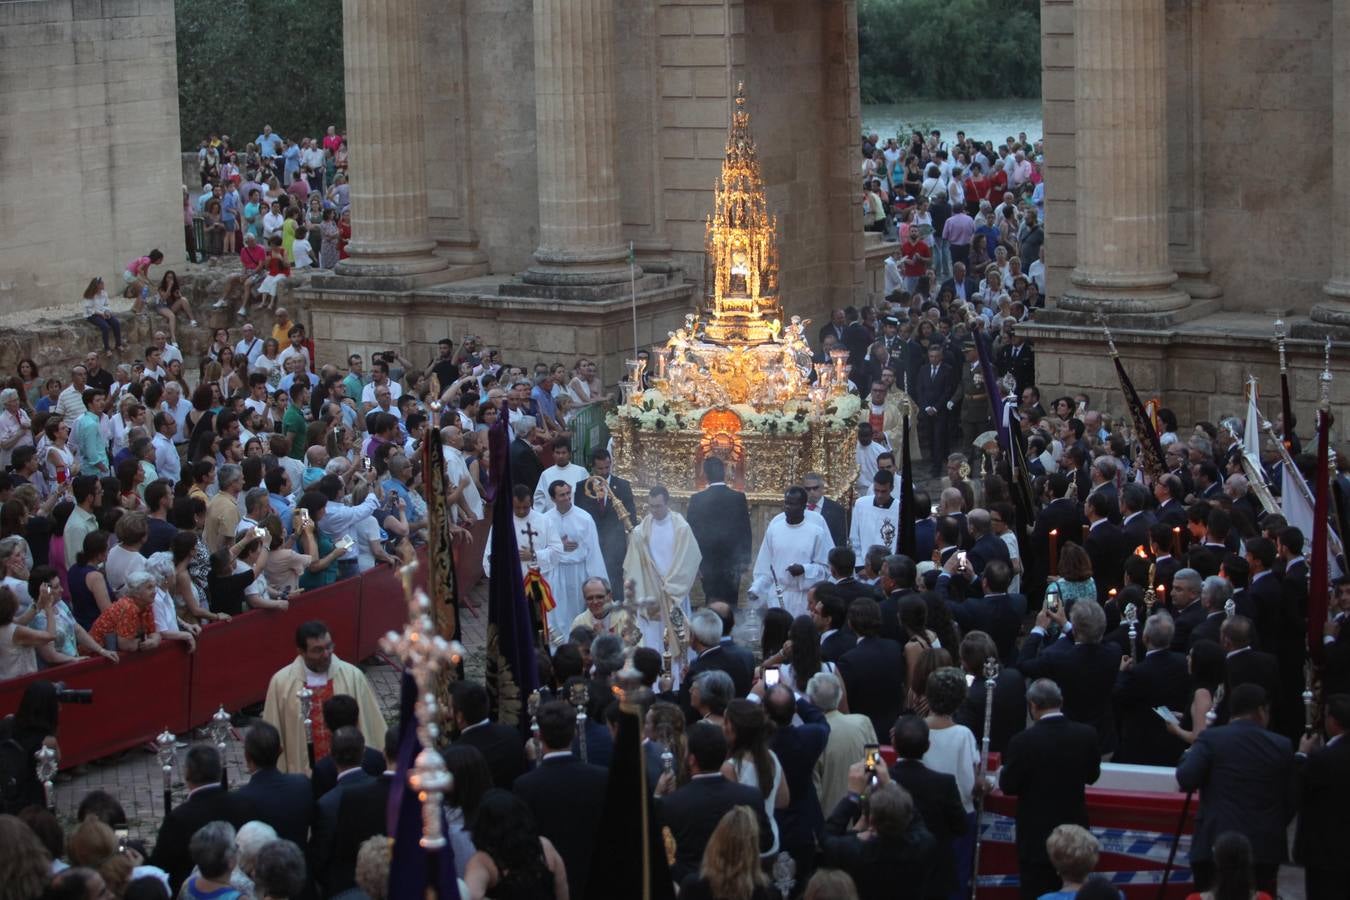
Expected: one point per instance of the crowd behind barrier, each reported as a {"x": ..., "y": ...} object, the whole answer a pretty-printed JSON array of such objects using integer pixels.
[{"x": 145, "y": 693}]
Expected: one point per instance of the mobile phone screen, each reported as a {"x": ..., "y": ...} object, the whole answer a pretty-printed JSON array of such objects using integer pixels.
[{"x": 771, "y": 676}]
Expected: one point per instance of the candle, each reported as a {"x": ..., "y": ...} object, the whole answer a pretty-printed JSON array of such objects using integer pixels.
[
  {"x": 1176, "y": 541},
  {"x": 1161, "y": 594},
  {"x": 1086, "y": 529},
  {"x": 1054, "y": 551}
]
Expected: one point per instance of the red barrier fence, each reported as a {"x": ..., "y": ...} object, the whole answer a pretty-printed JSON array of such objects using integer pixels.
[{"x": 144, "y": 693}]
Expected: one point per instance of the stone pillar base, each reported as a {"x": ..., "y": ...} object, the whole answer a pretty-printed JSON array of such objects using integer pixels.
[
  {"x": 571, "y": 268},
  {"x": 390, "y": 260}
]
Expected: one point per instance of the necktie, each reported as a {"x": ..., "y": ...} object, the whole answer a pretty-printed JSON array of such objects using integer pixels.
[{"x": 934, "y": 373}]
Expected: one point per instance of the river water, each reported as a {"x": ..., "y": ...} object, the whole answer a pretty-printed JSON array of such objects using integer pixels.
[{"x": 991, "y": 120}]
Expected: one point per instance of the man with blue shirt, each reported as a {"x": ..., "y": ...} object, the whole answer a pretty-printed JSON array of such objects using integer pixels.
[
  {"x": 268, "y": 143},
  {"x": 89, "y": 442}
]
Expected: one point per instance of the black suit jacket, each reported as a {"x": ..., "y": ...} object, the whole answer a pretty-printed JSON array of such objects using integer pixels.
[
  {"x": 324, "y": 864},
  {"x": 1185, "y": 622},
  {"x": 935, "y": 392},
  {"x": 925, "y": 537},
  {"x": 567, "y": 797},
  {"x": 1251, "y": 667},
  {"x": 502, "y": 747},
  {"x": 890, "y": 615},
  {"x": 996, "y": 615},
  {"x": 972, "y": 285},
  {"x": 1085, "y": 673},
  {"x": 1022, "y": 365},
  {"x": 1245, "y": 775},
  {"x": 850, "y": 588},
  {"x": 798, "y": 747},
  {"x": 1173, "y": 513},
  {"x": 609, "y": 528},
  {"x": 938, "y": 802},
  {"x": 325, "y": 771},
  {"x": 284, "y": 801},
  {"x": 1207, "y": 629},
  {"x": 1010, "y": 709},
  {"x": 693, "y": 811},
  {"x": 881, "y": 869},
  {"x": 525, "y": 465},
  {"x": 209, "y": 803},
  {"x": 1048, "y": 768},
  {"x": 720, "y": 520},
  {"x": 835, "y": 520},
  {"x": 1336, "y": 663},
  {"x": 1323, "y": 828},
  {"x": 1062, "y": 515},
  {"x": 1108, "y": 548},
  {"x": 1159, "y": 679},
  {"x": 720, "y": 659},
  {"x": 874, "y": 677},
  {"x": 985, "y": 550},
  {"x": 1136, "y": 530},
  {"x": 362, "y": 813},
  {"x": 837, "y": 644}
]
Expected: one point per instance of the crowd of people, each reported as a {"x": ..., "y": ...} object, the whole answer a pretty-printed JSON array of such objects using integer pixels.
[{"x": 1157, "y": 620}]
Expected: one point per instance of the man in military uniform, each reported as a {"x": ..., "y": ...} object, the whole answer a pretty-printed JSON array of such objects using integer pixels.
[{"x": 975, "y": 416}]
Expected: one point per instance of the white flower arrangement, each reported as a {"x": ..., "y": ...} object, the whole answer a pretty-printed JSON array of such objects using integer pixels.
[
  {"x": 654, "y": 412},
  {"x": 842, "y": 412}
]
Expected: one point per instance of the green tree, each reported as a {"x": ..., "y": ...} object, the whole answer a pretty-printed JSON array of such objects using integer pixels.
[
  {"x": 243, "y": 63},
  {"x": 948, "y": 49}
]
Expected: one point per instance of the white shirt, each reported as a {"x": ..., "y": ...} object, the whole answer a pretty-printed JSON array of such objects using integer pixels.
[
  {"x": 180, "y": 414},
  {"x": 70, "y": 404},
  {"x": 167, "y": 463},
  {"x": 170, "y": 353},
  {"x": 291, "y": 350},
  {"x": 253, "y": 350},
  {"x": 395, "y": 391},
  {"x": 570, "y": 473}
]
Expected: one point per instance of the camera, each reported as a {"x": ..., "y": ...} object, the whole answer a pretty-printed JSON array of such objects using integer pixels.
[
  {"x": 771, "y": 676},
  {"x": 82, "y": 696}
]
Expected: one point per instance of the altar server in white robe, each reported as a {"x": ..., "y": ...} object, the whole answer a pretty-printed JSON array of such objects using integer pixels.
[
  {"x": 792, "y": 556},
  {"x": 661, "y": 565},
  {"x": 563, "y": 469},
  {"x": 532, "y": 529},
  {"x": 876, "y": 516},
  {"x": 580, "y": 557}
]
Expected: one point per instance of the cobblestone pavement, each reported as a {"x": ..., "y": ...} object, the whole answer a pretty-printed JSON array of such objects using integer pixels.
[{"x": 135, "y": 776}]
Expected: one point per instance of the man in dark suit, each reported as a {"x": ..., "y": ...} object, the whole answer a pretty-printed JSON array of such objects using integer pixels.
[
  {"x": 720, "y": 520},
  {"x": 1010, "y": 707},
  {"x": 206, "y": 802},
  {"x": 1294, "y": 579},
  {"x": 693, "y": 811},
  {"x": 362, "y": 814},
  {"x": 1106, "y": 546},
  {"x": 830, "y": 613},
  {"x": 1187, "y": 609},
  {"x": 564, "y": 794},
  {"x": 1280, "y": 630},
  {"x": 338, "y": 711},
  {"x": 898, "y": 576},
  {"x": 798, "y": 747},
  {"x": 838, "y": 322},
  {"x": 1245, "y": 775},
  {"x": 1323, "y": 830},
  {"x": 1245, "y": 665},
  {"x": 1206, "y": 484},
  {"x": 1336, "y": 642},
  {"x": 727, "y": 613},
  {"x": 282, "y": 800},
  {"x": 1137, "y": 517},
  {"x": 705, "y": 639},
  {"x": 1060, "y": 514},
  {"x": 1080, "y": 663},
  {"x": 1047, "y": 768},
  {"x": 833, "y": 514},
  {"x": 608, "y": 524},
  {"x": 935, "y": 394},
  {"x": 1160, "y": 678},
  {"x": 501, "y": 745},
  {"x": 525, "y": 465},
  {"x": 1169, "y": 492},
  {"x": 1017, "y": 357},
  {"x": 843, "y": 562},
  {"x": 936, "y": 798},
  {"x": 987, "y": 547},
  {"x": 962, "y": 286},
  {"x": 874, "y": 670},
  {"x": 348, "y": 748},
  {"x": 925, "y": 526},
  {"x": 1214, "y": 594},
  {"x": 996, "y": 612}
]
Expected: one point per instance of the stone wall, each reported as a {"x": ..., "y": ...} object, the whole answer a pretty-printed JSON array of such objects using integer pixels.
[
  {"x": 1248, "y": 110},
  {"x": 89, "y": 144}
]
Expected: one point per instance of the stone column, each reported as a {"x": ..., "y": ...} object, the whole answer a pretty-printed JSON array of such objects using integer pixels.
[
  {"x": 1120, "y": 100},
  {"x": 390, "y": 230},
  {"x": 580, "y": 227},
  {"x": 1335, "y": 306}
]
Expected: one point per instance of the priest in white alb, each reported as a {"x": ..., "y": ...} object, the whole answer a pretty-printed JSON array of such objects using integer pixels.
[
  {"x": 876, "y": 516},
  {"x": 580, "y": 557},
  {"x": 563, "y": 469},
  {"x": 539, "y": 544},
  {"x": 318, "y": 668},
  {"x": 661, "y": 565},
  {"x": 792, "y": 557}
]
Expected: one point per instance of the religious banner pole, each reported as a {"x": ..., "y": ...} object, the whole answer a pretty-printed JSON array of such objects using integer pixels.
[
  {"x": 1286, "y": 405},
  {"x": 991, "y": 669},
  {"x": 632, "y": 285}
]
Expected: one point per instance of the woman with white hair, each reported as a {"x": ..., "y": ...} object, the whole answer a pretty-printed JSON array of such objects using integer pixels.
[
  {"x": 252, "y": 837},
  {"x": 159, "y": 574},
  {"x": 16, "y": 429},
  {"x": 215, "y": 854}
]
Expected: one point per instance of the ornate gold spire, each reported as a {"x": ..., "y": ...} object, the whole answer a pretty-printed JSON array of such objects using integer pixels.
[{"x": 742, "y": 246}]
